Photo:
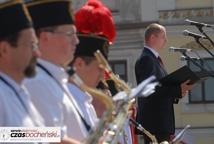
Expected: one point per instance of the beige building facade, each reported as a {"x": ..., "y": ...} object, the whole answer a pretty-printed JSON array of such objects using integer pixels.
[{"x": 132, "y": 16}]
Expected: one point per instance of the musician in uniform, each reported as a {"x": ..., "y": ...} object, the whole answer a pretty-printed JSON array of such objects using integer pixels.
[
  {"x": 90, "y": 21},
  {"x": 54, "y": 24},
  {"x": 18, "y": 54},
  {"x": 96, "y": 31}
]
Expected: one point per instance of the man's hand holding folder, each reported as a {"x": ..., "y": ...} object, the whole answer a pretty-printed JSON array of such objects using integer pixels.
[
  {"x": 185, "y": 87},
  {"x": 183, "y": 77}
]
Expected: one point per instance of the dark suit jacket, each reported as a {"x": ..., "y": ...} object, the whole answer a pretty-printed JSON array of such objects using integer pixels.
[{"x": 155, "y": 113}]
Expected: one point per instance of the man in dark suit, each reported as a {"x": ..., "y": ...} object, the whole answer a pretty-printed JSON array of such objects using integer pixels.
[{"x": 156, "y": 112}]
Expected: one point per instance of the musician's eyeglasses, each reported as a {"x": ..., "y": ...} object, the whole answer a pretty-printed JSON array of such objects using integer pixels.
[{"x": 68, "y": 33}]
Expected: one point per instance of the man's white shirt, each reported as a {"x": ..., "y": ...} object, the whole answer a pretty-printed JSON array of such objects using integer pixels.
[
  {"x": 53, "y": 102},
  {"x": 84, "y": 101},
  {"x": 16, "y": 108}
]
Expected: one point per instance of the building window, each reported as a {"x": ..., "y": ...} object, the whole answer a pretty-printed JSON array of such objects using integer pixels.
[
  {"x": 119, "y": 67},
  {"x": 113, "y": 5},
  {"x": 202, "y": 92}
]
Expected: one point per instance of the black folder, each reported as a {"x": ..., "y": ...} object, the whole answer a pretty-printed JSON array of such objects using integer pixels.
[{"x": 179, "y": 76}]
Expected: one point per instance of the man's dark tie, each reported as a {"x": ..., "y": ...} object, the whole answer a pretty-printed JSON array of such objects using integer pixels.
[{"x": 160, "y": 61}]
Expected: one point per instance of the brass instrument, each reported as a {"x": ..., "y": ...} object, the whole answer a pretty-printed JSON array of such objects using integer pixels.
[
  {"x": 107, "y": 116},
  {"x": 120, "y": 84},
  {"x": 122, "y": 107},
  {"x": 117, "y": 125},
  {"x": 139, "y": 127}
]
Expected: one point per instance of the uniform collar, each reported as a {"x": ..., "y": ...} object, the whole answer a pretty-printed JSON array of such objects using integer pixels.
[
  {"x": 57, "y": 72},
  {"x": 77, "y": 92}
]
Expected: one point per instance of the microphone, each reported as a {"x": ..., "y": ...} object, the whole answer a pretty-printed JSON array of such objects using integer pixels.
[
  {"x": 182, "y": 50},
  {"x": 198, "y": 24},
  {"x": 183, "y": 58},
  {"x": 195, "y": 35}
]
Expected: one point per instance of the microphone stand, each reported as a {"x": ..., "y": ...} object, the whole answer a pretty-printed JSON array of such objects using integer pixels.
[
  {"x": 201, "y": 30},
  {"x": 198, "y": 65},
  {"x": 197, "y": 40}
]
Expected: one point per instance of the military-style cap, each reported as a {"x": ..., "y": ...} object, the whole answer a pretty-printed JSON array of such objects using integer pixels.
[
  {"x": 96, "y": 29},
  {"x": 14, "y": 17},
  {"x": 89, "y": 44},
  {"x": 47, "y": 13}
]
